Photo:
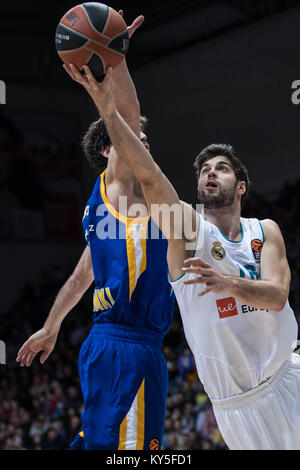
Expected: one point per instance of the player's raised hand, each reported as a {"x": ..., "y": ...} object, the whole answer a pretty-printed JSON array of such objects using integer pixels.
[
  {"x": 135, "y": 24},
  {"x": 42, "y": 340}
]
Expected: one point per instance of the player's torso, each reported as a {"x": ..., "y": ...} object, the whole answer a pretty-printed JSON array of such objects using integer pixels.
[
  {"x": 130, "y": 268},
  {"x": 235, "y": 345}
]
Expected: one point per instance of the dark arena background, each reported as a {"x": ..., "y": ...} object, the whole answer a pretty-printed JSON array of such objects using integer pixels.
[{"x": 205, "y": 72}]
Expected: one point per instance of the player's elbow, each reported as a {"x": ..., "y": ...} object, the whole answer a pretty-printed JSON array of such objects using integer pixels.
[
  {"x": 77, "y": 282},
  {"x": 280, "y": 299},
  {"x": 280, "y": 305}
]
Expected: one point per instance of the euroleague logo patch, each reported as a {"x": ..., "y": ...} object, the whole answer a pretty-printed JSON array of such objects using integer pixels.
[
  {"x": 154, "y": 444},
  {"x": 256, "y": 246}
]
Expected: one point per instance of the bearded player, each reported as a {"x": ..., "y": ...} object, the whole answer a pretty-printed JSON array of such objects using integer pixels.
[{"x": 231, "y": 284}]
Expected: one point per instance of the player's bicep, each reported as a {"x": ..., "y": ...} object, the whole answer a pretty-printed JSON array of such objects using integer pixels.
[
  {"x": 164, "y": 204},
  {"x": 274, "y": 264}
]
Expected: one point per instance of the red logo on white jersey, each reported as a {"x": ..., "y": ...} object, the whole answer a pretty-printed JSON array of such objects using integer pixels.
[{"x": 227, "y": 307}]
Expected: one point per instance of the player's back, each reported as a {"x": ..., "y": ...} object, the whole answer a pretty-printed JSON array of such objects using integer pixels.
[
  {"x": 130, "y": 266},
  {"x": 123, "y": 374}
]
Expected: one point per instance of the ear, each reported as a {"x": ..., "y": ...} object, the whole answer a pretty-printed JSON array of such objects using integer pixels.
[
  {"x": 242, "y": 188},
  {"x": 105, "y": 152}
]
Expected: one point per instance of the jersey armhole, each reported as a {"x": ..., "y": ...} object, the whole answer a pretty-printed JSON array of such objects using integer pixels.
[{"x": 262, "y": 231}]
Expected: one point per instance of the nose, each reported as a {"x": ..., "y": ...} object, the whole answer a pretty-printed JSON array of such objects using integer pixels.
[{"x": 211, "y": 172}]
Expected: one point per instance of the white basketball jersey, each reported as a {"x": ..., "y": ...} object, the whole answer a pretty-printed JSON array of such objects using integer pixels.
[{"x": 235, "y": 346}]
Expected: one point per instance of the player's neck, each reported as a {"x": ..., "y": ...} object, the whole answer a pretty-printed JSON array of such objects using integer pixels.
[
  {"x": 121, "y": 176},
  {"x": 227, "y": 219},
  {"x": 118, "y": 170}
]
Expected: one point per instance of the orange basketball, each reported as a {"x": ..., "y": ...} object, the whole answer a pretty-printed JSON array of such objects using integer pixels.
[{"x": 92, "y": 34}]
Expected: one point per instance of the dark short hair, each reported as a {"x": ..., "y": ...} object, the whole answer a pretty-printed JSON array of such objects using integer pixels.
[
  {"x": 96, "y": 139},
  {"x": 215, "y": 150}
]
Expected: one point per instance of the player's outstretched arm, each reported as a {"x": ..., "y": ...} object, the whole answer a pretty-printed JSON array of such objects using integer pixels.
[
  {"x": 269, "y": 292},
  {"x": 123, "y": 87},
  {"x": 158, "y": 191},
  {"x": 124, "y": 91},
  {"x": 68, "y": 296},
  {"x": 156, "y": 187}
]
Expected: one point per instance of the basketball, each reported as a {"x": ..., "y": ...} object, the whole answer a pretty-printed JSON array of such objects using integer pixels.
[{"x": 92, "y": 34}]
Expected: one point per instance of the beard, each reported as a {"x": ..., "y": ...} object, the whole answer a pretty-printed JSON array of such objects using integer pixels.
[{"x": 224, "y": 198}]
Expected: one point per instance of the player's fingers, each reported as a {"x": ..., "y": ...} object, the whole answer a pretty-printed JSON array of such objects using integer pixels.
[
  {"x": 205, "y": 291},
  {"x": 107, "y": 78},
  {"x": 30, "y": 358},
  {"x": 196, "y": 262},
  {"x": 69, "y": 71},
  {"x": 45, "y": 355},
  {"x": 23, "y": 350},
  {"x": 135, "y": 25},
  {"x": 20, "y": 354},
  {"x": 108, "y": 75},
  {"x": 77, "y": 76},
  {"x": 198, "y": 270},
  {"x": 23, "y": 359},
  {"x": 197, "y": 280},
  {"x": 90, "y": 77}
]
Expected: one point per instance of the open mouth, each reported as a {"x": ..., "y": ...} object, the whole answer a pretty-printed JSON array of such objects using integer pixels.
[{"x": 211, "y": 184}]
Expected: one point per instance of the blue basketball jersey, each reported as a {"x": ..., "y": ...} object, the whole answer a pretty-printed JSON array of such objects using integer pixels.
[{"x": 130, "y": 266}]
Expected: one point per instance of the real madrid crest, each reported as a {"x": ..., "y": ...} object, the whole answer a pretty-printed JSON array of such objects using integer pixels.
[{"x": 218, "y": 251}]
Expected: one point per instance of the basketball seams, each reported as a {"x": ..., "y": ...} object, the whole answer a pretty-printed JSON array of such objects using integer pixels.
[
  {"x": 96, "y": 53},
  {"x": 87, "y": 44},
  {"x": 91, "y": 40},
  {"x": 86, "y": 37},
  {"x": 90, "y": 56},
  {"x": 105, "y": 47},
  {"x": 113, "y": 39},
  {"x": 96, "y": 30},
  {"x": 80, "y": 49},
  {"x": 74, "y": 31}
]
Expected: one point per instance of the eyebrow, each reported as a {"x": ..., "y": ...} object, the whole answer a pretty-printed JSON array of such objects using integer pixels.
[{"x": 220, "y": 162}]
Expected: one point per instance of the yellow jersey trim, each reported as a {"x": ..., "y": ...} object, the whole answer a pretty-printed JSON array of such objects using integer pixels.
[
  {"x": 140, "y": 431},
  {"x": 131, "y": 258},
  {"x": 111, "y": 208},
  {"x": 122, "y": 434}
]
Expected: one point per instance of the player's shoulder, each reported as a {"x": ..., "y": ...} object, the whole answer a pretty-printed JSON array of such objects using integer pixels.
[
  {"x": 269, "y": 223},
  {"x": 188, "y": 207},
  {"x": 188, "y": 210},
  {"x": 191, "y": 220},
  {"x": 270, "y": 228}
]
